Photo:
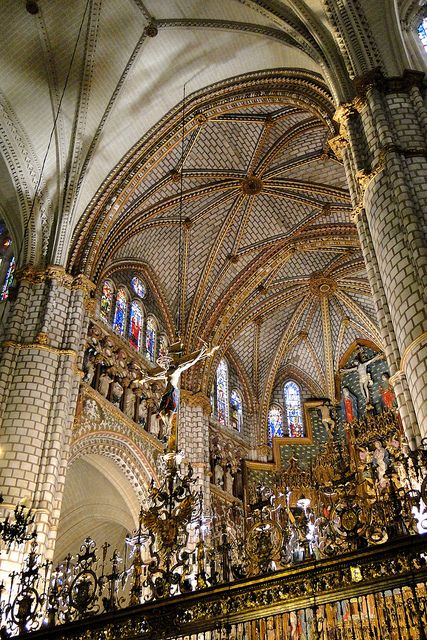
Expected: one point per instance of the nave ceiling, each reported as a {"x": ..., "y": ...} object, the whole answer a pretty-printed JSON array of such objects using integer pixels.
[{"x": 274, "y": 272}]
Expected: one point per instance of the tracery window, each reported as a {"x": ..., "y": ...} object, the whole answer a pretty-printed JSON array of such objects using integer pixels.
[
  {"x": 150, "y": 339},
  {"x": 136, "y": 318},
  {"x": 106, "y": 301},
  {"x": 138, "y": 286},
  {"x": 422, "y": 32},
  {"x": 293, "y": 407},
  {"x": 222, "y": 393},
  {"x": 237, "y": 409},
  {"x": 120, "y": 311},
  {"x": 275, "y": 423},
  {"x": 8, "y": 279}
]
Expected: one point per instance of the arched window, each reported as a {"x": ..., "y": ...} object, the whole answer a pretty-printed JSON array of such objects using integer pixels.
[
  {"x": 275, "y": 423},
  {"x": 136, "y": 318},
  {"x": 237, "y": 409},
  {"x": 106, "y": 300},
  {"x": 8, "y": 279},
  {"x": 120, "y": 312},
  {"x": 422, "y": 32},
  {"x": 222, "y": 393},
  {"x": 292, "y": 397},
  {"x": 150, "y": 339}
]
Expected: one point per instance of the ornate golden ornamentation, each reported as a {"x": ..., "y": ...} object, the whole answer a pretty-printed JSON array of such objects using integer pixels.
[
  {"x": 252, "y": 185},
  {"x": 322, "y": 285},
  {"x": 338, "y": 145},
  {"x": 199, "y": 399}
]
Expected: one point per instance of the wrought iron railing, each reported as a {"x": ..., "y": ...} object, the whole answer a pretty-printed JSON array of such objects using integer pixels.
[{"x": 377, "y": 593}]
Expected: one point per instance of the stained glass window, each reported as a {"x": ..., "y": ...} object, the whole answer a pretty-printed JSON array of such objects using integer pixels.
[
  {"x": 120, "y": 312},
  {"x": 293, "y": 408},
  {"x": 106, "y": 302},
  {"x": 222, "y": 393},
  {"x": 422, "y": 32},
  {"x": 150, "y": 339},
  {"x": 275, "y": 424},
  {"x": 138, "y": 286},
  {"x": 135, "y": 324},
  {"x": 237, "y": 409},
  {"x": 8, "y": 279}
]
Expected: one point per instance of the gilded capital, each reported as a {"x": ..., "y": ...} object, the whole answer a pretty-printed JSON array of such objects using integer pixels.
[{"x": 199, "y": 399}]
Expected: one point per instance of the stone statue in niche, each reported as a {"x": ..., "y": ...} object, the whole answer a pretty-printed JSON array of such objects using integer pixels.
[
  {"x": 142, "y": 412},
  {"x": 218, "y": 473},
  {"x": 89, "y": 372},
  {"x": 238, "y": 483},
  {"x": 116, "y": 393},
  {"x": 365, "y": 380},
  {"x": 104, "y": 384},
  {"x": 129, "y": 404},
  {"x": 228, "y": 479}
]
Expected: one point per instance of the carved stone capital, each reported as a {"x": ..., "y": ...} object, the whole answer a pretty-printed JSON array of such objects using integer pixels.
[
  {"x": 190, "y": 399},
  {"x": 375, "y": 79},
  {"x": 338, "y": 144}
]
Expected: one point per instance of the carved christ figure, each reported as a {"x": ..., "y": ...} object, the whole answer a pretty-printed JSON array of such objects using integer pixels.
[
  {"x": 365, "y": 380},
  {"x": 173, "y": 367}
]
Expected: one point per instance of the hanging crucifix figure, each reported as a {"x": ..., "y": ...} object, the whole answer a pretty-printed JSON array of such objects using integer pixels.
[
  {"x": 172, "y": 363},
  {"x": 365, "y": 380}
]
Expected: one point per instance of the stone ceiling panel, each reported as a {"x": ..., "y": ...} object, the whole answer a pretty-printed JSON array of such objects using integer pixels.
[{"x": 224, "y": 145}]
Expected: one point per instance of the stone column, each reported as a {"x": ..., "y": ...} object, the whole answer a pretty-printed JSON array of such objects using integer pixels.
[
  {"x": 193, "y": 438},
  {"x": 384, "y": 147},
  {"x": 40, "y": 370}
]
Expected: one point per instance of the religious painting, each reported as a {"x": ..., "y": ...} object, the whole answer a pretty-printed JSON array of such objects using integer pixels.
[
  {"x": 106, "y": 301},
  {"x": 388, "y": 396},
  {"x": 293, "y": 407},
  {"x": 349, "y": 407},
  {"x": 8, "y": 279},
  {"x": 236, "y": 409},
  {"x": 150, "y": 339},
  {"x": 222, "y": 393},
  {"x": 135, "y": 324},
  {"x": 275, "y": 424},
  {"x": 138, "y": 286},
  {"x": 120, "y": 312}
]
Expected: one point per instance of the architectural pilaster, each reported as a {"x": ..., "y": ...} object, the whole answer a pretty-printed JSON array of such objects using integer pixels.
[
  {"x": 385, "y": 156},
  {"x": 193, "y": 438},
  {"x": 40, "y": 369}
]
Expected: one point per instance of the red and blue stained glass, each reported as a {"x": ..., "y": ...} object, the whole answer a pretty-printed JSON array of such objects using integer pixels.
[
  {"x": 120, "y": 311},
  {"x": 293, "y": 407},
  {"x": 150, "y": 339},
  {"x": 236, "y": 403},
  {"x": 138, "y": 286},
  {"x": 222, "y": 393},
  {"x": 8, "y": 279},
  {"x": 275, "y": 424},
  {"x": 135, "y": 325},
  {"x": 106, "y": 302}
]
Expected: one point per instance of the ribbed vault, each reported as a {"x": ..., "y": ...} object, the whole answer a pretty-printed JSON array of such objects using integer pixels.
[{"x": 272, "y": 269}]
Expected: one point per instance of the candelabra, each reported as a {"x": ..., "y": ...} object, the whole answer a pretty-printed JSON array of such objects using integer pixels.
[{"x": 16, "y": 531}]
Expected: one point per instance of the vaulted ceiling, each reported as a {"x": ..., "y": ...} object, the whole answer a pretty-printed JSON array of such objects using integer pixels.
[{"x": 96, "y": 149}]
